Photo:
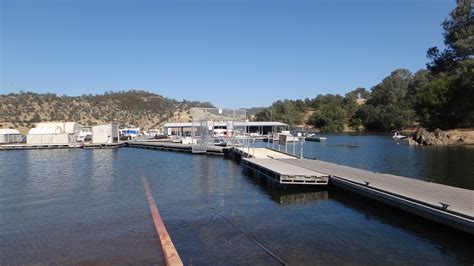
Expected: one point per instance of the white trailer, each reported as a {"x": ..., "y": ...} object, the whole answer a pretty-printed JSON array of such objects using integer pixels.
[{"x": 104, "y": 134}]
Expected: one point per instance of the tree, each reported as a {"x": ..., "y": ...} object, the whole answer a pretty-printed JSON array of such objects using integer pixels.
[
  {"x": 446, "y": 99},
  {"x": 353, "y": 95},
  {"x": 388, "y": 107},
  {"x": 285, "y": 111},
  {"x": 330, "y": 114},
  {"x": 458, "y": 39},
  {"x": 392, "y": 89}
]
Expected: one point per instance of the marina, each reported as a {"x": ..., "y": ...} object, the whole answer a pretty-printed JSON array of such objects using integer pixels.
[
  {"x": 117, "y": 148},
  {"x": 281, "y": 165},
  {"x": 447, "y": 205},
  {"x": 96, "y": 200}
]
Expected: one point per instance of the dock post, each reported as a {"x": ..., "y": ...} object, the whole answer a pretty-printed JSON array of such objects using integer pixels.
[
  {"x": 253, "y": 151},
  {"x": 301, "y": 147},
  {"x": 248, "y": 147}
]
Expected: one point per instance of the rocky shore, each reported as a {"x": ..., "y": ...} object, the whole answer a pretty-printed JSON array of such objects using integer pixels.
[{"x": 423, "y": 137}]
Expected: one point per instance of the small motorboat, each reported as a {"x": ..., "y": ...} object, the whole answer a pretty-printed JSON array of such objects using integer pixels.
[
  {"x": 288, "y": 136},
  {"x": 397, "y": 135},
  {"x": 315, "y": 138},
  {"x": 220, "y": 142}
]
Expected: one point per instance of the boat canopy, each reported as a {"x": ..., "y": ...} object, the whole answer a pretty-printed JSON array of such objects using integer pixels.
[
  {"x": 8, "y": 131},
  {"x": 45, "y": 130},
  {"x": 65, "y": 127}
]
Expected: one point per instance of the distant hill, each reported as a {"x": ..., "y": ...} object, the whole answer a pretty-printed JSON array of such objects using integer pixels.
[{"x": 140, "y": 108}]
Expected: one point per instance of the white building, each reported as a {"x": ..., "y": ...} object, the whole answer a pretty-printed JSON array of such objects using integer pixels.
[
  {"x": 8, "y": 135},
  {"x": 220, "y": 127},
  {"x": 104, "y": 134},
  {"x": 54, "y": 133}
]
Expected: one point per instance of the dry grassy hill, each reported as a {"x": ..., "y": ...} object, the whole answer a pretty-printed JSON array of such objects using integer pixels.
[{"x": 140, "y": 108}]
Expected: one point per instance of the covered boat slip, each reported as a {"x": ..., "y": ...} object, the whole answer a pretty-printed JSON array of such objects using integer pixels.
[
  {"x": 50, "y": 139},
  {"x": 8, "y": 135}
]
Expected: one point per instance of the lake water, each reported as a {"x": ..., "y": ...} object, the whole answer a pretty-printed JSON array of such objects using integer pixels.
[
  {"x": 453, "y": 166},
  {"x": 89, "y": 207}
]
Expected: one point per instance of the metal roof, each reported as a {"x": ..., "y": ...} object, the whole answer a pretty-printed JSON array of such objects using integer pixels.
[{"x": 237, "y": 123}]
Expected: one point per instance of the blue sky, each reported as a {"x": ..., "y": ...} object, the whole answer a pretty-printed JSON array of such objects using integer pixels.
[{"x": 238, "y": 53}]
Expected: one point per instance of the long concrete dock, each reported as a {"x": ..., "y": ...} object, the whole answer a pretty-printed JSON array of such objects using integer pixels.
[
  {"x": 24, "y": 146},
  {"x": 451, "y": 206},
  {"x": 447, "y": 205},
  {"x": 169, "y": 146}
]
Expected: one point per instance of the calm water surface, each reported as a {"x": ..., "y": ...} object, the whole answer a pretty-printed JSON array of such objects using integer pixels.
[
  {"x": 89, "y": 206},
  {"x": 452, "y": 166}
]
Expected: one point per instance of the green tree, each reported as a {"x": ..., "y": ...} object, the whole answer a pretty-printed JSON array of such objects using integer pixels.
[
  {"x": 392, "y": 89},
  {"x": 458, "y": 39},
  {"x": 284, "y": 111},
  {"x": 446, "y": 100},
  {"x": 329, "y": 117}
]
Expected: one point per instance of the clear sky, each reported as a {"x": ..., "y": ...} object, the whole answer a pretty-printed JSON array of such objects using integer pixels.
[{"x": 240, "y": 53}]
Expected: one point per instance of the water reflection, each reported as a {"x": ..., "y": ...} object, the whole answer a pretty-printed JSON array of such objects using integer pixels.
[
  {"x": 51, "y": 172},
  {"x": 286, "y": 197},
  {"x": 102, "y": 169},
  {"x": 208, "y": 206},
  {"x": 450, "y": 242}
]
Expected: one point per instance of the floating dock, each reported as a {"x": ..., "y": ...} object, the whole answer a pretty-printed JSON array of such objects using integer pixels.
[
  {"x": 264, "y": 162},
  {"x": 103, "y": 145},
  {"x": 169, "y": 146},
  {"x": 443, "y": 204},
  {"x": 448, "y": 205},
  {"x": 24, "y": 146}
]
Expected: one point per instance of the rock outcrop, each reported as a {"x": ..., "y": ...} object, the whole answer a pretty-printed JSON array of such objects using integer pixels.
[{"x": 439, "y": 138}]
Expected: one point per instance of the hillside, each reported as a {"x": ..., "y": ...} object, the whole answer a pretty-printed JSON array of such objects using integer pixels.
[{"x": 139, "y": 108}]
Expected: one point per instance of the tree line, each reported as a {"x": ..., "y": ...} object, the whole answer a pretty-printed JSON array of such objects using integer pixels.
[{"x": 440, "y": 96}]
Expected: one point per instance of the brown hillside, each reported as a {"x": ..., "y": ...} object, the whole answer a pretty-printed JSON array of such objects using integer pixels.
[{"x": 139, "y": 108}]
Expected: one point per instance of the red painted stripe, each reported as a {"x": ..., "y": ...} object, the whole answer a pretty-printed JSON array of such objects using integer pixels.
[{"x": 170, "y": 253}]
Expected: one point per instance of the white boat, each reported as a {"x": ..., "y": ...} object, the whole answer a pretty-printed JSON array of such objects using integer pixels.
[
  {"x": 398, "y": 136},
  {"x": 289, "y": 137}
]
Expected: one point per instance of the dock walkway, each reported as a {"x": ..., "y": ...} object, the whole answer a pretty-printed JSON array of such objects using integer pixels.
[
  {"x": 451, "y": 199},
  {"x": 448, "y": 205},
  {"x": 262, "y": 153},
  {"x": 264, "y": 162},
  {"x": 170, "y": 146}
]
